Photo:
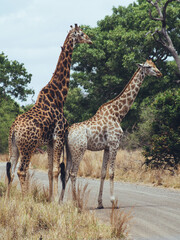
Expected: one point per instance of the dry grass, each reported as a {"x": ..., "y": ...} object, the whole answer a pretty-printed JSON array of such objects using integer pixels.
[
  {"x": 3, "y": 157},
  {"x": 35, "y": 218},
  {"x": 81, "y": 197},
  {"x": 129, "y": 168},
  {"x": 119, "y": 222},
  {"x": 91, "y": 164},
  {"x": 39, "y": 161}
]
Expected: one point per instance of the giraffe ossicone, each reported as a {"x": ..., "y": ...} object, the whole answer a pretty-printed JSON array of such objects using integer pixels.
[
  {"x": 44, "y": 123},
  {"x": 103, "y": 131}
]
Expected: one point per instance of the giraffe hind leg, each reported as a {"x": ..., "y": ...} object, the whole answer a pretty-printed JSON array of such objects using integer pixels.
[
  {"x": 22, "y": 172},
  {"x": 11, "y": 166},
  {"x": 103, "y": 176},
  {"x": 111, "y": 174}
]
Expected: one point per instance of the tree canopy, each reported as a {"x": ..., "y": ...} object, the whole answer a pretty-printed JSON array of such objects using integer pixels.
[
  {"x": 14, "y": 80},
  {"x": 120, "y": 41}
]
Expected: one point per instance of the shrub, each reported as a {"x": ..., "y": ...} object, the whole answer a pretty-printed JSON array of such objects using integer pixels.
[{"x": 163, "y": 145}]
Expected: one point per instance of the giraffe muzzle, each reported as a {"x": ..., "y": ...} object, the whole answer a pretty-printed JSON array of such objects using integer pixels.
[{"x": 159, "y": 74}]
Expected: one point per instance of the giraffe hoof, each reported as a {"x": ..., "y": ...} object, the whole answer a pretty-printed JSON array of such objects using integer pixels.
[
  {"x": 112, "y": 199},
  {"x": 100, "y": 207}
]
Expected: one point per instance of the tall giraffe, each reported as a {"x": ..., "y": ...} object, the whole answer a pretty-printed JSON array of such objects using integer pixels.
[
  {"x": 103, "y": 131},
  {"x": 44, "y": 123}
]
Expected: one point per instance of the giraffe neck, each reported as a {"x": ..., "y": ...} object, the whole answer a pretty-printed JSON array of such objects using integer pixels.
[
  {"x": 57, "y": 88},
  {"x": 119, "y": 106}
]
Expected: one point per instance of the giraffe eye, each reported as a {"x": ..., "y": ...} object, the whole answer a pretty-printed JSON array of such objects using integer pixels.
[{"x": 82, "y": 34}]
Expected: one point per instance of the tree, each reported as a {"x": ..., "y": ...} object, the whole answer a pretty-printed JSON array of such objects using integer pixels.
[
  {"x": 119, "y": 42},
  {"x": 13, "y": 84},
  {"x": 14, "y": 79},
  {"x": 161, "y": 35},
  {"x": 9, "y": 109},
  {"x": 76, "y": 103},
  {"x": 162, "y": 149}
]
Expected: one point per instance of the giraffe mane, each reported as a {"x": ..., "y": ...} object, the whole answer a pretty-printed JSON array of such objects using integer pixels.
[{"x": 112, "y": 100}]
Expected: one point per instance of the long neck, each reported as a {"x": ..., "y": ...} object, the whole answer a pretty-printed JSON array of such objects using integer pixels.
[
  {"x": 119, "y": 106},
  {"x": 58, "y": 86}
]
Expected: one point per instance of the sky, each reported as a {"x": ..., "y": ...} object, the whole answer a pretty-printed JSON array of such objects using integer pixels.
[{"x": 32, "y": 32}]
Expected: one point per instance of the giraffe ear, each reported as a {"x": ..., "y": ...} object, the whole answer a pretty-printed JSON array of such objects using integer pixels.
[
  {"x": 143, "y": 65},
  {"x": 140, "y": 65}
]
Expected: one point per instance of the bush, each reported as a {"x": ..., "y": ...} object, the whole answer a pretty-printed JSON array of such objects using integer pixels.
[{"x": 163, "y": 144}]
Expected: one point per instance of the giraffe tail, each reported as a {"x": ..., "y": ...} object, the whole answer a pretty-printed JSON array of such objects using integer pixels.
[
  {"x": 63, "y": 174},
  {"x": 63, "y": 169},
  {"x": 8, "y": 171}
]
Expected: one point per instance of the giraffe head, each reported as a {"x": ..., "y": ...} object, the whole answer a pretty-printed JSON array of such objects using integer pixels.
[
  {"x": 78, "y": 36},
  {"x": 150, "y": 69}
]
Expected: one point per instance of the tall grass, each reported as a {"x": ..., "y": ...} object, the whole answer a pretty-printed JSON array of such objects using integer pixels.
[
  {"x": 119, "y": 222},
  {"x": 129, "y": 167},
  {"x": 35, "y": 218}
]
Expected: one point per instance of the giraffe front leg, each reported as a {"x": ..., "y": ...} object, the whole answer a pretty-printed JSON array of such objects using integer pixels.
[
  {"x": 103, "y": 176},
  {"x": 111, "y": 174}
]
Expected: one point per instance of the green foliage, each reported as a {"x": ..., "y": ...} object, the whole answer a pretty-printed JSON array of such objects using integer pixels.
[
  {"x": 74, "y": 107},
  {"x": 13, "y": 84},
  {"x": 9, "y": 109},
  {"x": 163, "y": 147},
  {"x": 14, "y": 79},
  {"x": 119, "y": 42}
]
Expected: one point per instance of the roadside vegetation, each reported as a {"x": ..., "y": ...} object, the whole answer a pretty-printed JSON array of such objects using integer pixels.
[
  {"x": 130, "y": 167},
  {"x": 35, "y": 218}
]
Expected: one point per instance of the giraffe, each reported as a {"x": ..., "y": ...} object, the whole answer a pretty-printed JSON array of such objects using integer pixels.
[
  {"x": 44, "y": 123},
  {"x": 103, "y": 132}
]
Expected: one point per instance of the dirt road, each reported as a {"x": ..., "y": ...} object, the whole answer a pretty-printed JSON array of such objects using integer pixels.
[{"x": 156, "y": 211}]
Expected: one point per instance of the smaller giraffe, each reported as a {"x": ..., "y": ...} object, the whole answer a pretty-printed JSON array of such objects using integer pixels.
[{"x": 103, "y": 131}]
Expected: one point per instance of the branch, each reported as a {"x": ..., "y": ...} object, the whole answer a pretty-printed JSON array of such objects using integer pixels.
[
  {"x": 161, "y": 11},
  {"x": 164, "y": 12},
  {"x": 156, "y": 19},
  {"x": 151, "y": 2}
]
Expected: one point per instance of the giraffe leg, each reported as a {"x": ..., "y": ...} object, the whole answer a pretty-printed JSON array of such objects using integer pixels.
[
  {"x": 103, "y": 175},
  {"x": 56, "y": 169},
  {"x": 22, "y": 172},
  {"x": 112, "y": 159},
  {"x": 11, "y": 167},
  {"x": 50, "y": 170},
  {"x": 76, "y": 159}
]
